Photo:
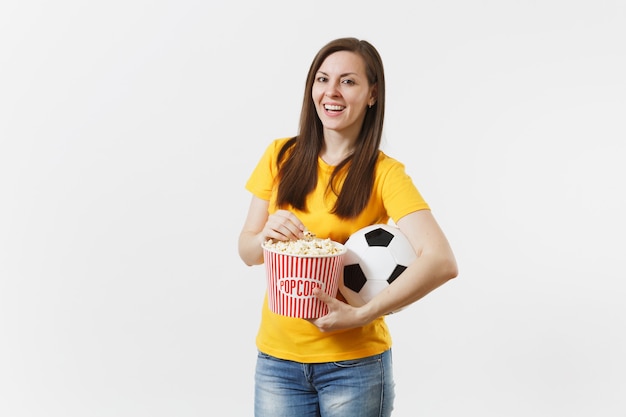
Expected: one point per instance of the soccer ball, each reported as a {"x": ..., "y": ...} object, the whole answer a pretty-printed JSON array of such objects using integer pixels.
[{"x": 376, "y": 255}]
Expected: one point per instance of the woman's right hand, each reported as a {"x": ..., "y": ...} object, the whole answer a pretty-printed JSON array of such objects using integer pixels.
[
  {"x": 260, "y": 226},
  {"x": 283, "y": 225}
]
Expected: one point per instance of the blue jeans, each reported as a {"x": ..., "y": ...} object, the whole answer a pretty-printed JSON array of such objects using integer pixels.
[{"x": 354, "y": 388}]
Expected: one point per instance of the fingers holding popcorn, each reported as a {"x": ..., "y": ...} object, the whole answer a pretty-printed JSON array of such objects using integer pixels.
[{"x": 283, "y": 225}]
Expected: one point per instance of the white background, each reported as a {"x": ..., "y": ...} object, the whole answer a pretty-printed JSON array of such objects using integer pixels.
[{"x": 128, "y": 129}]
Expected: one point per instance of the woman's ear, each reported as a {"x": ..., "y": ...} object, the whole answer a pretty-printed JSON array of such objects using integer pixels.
[{"x": 373, "y": 96}]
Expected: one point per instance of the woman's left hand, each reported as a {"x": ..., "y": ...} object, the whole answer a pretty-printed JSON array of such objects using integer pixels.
[{"x": 340, "y": 315}]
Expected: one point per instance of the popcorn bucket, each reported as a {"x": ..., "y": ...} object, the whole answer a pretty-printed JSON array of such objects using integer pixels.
[{"x": 291, "y": 280}]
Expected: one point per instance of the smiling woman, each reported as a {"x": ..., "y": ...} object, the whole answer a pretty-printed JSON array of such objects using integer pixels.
[
  {"x": 342, "y": 95},
  {"x": 333, "y": 179}
]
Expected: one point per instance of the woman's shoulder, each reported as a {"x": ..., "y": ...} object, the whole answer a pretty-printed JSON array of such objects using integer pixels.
[
  {"x": 273, "y": 147},
  {"x": 386, "y": 161},
  {"x": 277, "y": 144},
  {"x": 281, "y": 141}
]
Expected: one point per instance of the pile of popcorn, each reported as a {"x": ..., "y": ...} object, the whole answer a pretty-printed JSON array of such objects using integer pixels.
[{"x": 309, "y": 245}]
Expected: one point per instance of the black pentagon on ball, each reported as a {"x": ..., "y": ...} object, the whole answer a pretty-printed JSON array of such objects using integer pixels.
[
  {"x": 378, "y": 237},
  {"x": 353, "y": 277},
  {"x": 396, "y": 273}
]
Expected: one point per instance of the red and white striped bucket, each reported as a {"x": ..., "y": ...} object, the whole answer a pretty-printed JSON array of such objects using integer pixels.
[{"x": 291, "y": 280}]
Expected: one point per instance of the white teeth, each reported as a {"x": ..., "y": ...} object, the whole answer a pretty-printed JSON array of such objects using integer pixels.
[{"x": 331, "y": 107}]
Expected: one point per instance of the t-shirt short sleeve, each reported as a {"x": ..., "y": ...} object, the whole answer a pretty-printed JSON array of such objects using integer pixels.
[
  {"x": 262, "y": 180},
  {"x": 400, "y": 196}
]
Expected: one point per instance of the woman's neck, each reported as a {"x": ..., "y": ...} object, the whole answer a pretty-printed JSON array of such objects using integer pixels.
[{"x": 336, "y": 148}]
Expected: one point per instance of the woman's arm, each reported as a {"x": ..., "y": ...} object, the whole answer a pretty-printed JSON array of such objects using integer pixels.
[
  {"x": 435, "y": 264},
  {"x": 260, "y": 226}
]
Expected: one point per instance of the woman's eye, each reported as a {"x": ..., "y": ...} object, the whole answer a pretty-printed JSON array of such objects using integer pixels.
[
  {"x": 321, "y": 79},
  {"x": 348, "y": 82}
]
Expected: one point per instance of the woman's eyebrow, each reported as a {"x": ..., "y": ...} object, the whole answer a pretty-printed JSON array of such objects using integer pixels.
[{"x": 341, "y": 75}]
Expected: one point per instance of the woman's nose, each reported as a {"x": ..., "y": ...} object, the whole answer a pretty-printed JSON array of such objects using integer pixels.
[{"x": 332, "y": 90}]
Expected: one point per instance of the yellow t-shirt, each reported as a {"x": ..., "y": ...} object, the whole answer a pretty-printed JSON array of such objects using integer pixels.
[{"x": 394, "y": 196}]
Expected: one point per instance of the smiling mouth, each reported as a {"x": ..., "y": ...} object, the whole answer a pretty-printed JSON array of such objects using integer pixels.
[{"x": 332, "y": 107}]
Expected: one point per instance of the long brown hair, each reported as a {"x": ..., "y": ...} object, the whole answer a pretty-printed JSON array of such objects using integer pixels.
[{"x": 295, "y": 172}]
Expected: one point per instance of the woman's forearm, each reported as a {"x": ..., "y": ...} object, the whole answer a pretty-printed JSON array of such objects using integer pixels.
[{"x": 250, "y": 249}]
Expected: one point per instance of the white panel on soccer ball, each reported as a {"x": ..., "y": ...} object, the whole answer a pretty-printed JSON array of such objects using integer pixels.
[
  {"x": 402, "y": 250},
  {"x": 378, "y": 263},
  {"x": 354, "y": 251},
  {"x": 372, "y": 288}
]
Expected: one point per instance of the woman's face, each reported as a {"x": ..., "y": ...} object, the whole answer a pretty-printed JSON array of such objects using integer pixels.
[{"x": 342, "y": 93}]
